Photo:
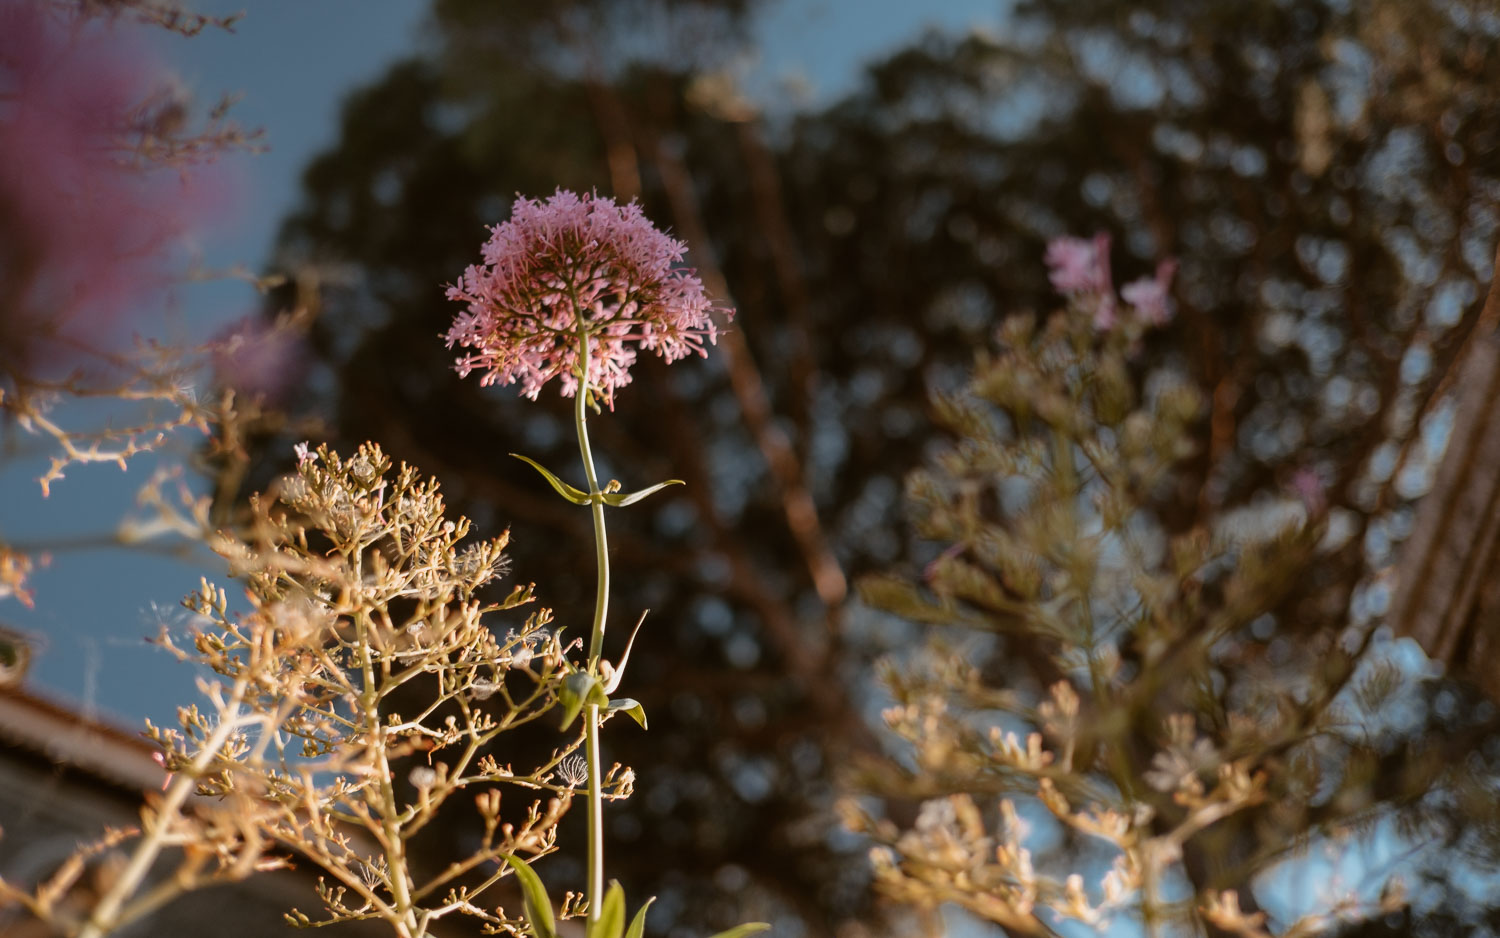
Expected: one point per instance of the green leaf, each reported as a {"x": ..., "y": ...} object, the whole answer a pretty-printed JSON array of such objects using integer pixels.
[
  {"x": 621, "y": 499},
  {"x": 638, "y": 924},
  {"x": 576, "y": 690},
  {"x": 597, "y": 695},
  {"x": 567, "y": 491},
  {"x": 611, "y": 920},
  {"x": 619, "y": 674},
  {"x": 740, "y": 931},
  {"x": 630, "y": 707},
  {"x": 534, "y": 896}
]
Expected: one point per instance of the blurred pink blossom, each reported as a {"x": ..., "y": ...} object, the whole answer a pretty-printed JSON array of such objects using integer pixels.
[
  {"x": 258, "y": 357},
  {"x": 1151, "y": 296},
  {"x": 1308, "y": 486},
  {"x": 570, "y": 266},
  {"x": 86, "y": 225},
  {"x": 1079, "y": 267}
]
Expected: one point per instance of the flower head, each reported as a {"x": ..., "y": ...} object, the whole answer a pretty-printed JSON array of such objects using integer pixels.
[
  {"x": 1151, "y": 295},
  {"x": 1079, "y": 267},
  {"x": 1308, "y": 486},
  {"x": 570, "y": 268},
  {"x": 574, "y": 771}
]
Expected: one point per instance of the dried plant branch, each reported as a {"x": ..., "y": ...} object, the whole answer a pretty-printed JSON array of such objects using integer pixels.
[{"x": 1043, "y": 508}]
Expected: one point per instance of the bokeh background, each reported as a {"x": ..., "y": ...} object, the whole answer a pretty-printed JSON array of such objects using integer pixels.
[
  {"x": 289, "y": 68},
  {"x": 872, "y": 186}
]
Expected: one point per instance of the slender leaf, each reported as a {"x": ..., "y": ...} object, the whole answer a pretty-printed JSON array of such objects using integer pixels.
[
  {"x": 576, "y": 496},
  {"x": 638, "y": 924},
  {"x": 576, "y": 690},
  {"x": 534, "y": 896},
  {"x": 597, "y": 695},
  {"x": 611, "y": 920},
  {"x": 740, "y": 931},
  {"x": 621, "y": 499},
  {"x": 619, "y": 674},
  {"x": 630, "y": 707}
]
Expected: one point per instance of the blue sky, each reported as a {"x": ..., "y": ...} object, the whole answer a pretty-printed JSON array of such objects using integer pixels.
[{"x": 291, "y": 62}]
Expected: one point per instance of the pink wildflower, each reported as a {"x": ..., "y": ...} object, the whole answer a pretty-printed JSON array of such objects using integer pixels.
[
  {"x": 85, "y": 226},
  {"x": 258, "y": 358},
  {"x": 1308, "y": 486},
  {"x": 573, "y": 266},
  {"x": 1151, "y": 295},
  {"x": 1079, "y": 268}
]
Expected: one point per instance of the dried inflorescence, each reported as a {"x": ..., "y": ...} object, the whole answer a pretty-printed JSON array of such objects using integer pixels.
[
  {"x": 365, "y": 686},
  {"x": 375, "y": 688},
  {"x": 570, "y": 267},
  {"x": 1045, "y": 518}
]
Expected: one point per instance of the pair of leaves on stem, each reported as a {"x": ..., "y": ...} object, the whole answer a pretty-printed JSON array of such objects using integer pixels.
[
  {"x": 581, "y": 687},
  {"x": 580, "y": 497},
  {"x": 610, "y": 922}
]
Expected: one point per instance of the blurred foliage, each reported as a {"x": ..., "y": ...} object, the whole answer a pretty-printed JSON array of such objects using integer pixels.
[
  {"x": 1326, "y": 176},
  {"x": 1172, "y": 754}
]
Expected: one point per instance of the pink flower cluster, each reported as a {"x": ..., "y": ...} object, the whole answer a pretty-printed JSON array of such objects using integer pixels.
[
  {"x": 1079, "y": 269},
  {"x": 85, "y": 227},
  {"x": 1152, "y": 296},
  {"x": 1080, "y": 265},
  {"x": 1308, "y": 486},
  {"x": 257, "y": 357},
  {"x": 570, "y": 267}
]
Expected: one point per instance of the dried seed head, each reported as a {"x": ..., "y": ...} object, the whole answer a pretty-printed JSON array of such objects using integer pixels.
[{"x": 574, "y": 770}]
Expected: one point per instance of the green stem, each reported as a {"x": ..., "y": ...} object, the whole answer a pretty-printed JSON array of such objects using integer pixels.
[
  {"x": 601, "y": 542},
  {"x": 596, "y": 640}
]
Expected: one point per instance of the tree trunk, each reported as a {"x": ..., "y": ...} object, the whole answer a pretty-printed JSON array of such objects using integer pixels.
[{"x": 1448, "y": 578}]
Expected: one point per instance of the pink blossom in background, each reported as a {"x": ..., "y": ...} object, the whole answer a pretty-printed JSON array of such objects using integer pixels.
[
  {"x": 1308, "y": 486},
  {"x": 568, "y": 266},
  {"x": 1079, "y": 268},
  {"x": 1079, "y": 265},
  {"x": 259, "y": 358},
  {"x": 86, "y": 229},
  {"x": 1151, "y": 296}
]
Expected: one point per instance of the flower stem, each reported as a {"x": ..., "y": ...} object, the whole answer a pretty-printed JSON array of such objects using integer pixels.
[
  {"x": 601, "y": 542},
  {"x": 596, "y": 641},
  {"x": 104, "y": 917}
]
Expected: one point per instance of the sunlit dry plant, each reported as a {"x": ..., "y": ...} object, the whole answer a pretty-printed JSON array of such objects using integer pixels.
[
  {"x": 388, "y": 689},
  {"x": 1137, "y": 720},
  {"x": 367, "y": 683}
]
